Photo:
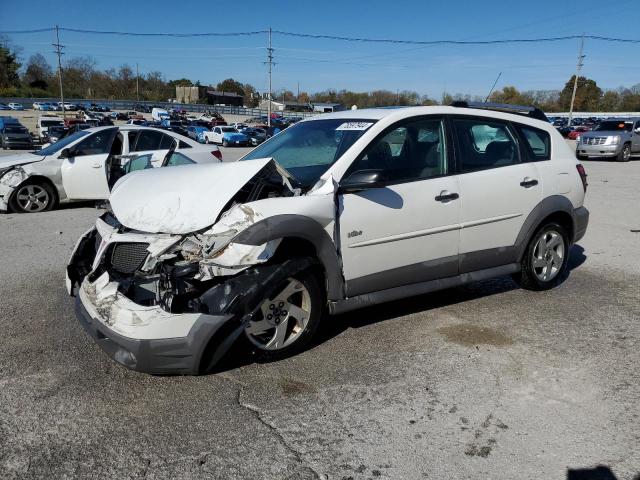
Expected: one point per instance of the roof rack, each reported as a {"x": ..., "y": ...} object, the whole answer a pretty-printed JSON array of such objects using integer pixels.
[{"x": 524, "y": 110}]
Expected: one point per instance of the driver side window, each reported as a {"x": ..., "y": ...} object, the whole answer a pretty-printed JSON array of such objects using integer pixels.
[
  {"x": 412, "y": 151},
  {"x": 95, "y": 144}
]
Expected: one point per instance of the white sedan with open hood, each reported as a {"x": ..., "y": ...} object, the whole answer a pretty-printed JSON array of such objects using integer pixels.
[
  {"x": 86, "y": 164},
  {"x": 336, "y": 212}
]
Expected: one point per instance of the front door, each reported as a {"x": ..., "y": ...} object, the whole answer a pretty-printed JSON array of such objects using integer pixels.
[
  {"x": 498, "y": 190},
  {"x": 407, "y": 231},
  {"x": 84, "y": 171}
]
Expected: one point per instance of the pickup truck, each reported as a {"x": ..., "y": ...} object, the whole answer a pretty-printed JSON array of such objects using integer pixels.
[{"x": 612, "y": 138}]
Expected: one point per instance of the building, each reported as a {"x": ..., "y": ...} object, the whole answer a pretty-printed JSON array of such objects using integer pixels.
[
  {"x": 285, "y": 106},
  {"x": 202, "y": 94},
  {"x": 328, "y": 107}
]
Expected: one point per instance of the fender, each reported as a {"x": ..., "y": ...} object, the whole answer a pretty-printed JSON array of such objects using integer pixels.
[
  {"x": 300, "y": 226},
  {"x": 548, "y": 206}
]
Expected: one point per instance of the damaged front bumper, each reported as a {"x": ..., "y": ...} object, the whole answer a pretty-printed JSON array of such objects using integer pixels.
[
  {"x": 161, "y": 316},
  {"x": 146, "y": 339},
  {"x": 9, "y": 180}
]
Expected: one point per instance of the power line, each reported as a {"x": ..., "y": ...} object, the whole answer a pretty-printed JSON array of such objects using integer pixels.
[{"x": 165, "y": 34}]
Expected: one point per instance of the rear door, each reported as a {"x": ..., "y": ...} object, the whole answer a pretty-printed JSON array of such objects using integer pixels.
[
  {"x": 153, "y": 142},
  {"x": 498, "y": 190},
  {"x": 84, "y": 171}
]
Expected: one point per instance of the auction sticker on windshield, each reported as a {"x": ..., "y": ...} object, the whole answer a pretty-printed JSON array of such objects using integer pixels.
[{"x": 355, "y": 126}]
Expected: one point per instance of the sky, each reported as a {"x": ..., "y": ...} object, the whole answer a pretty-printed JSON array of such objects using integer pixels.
[{"x": 319, "y": 64}]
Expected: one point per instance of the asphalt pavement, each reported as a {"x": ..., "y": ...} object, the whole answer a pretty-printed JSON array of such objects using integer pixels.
[{"x": 482, "y": 381}]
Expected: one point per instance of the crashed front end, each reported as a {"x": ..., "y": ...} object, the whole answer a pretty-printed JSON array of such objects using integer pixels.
[
  {"x": 174, "y": 303},
  {"x": 10, "y": 178}
]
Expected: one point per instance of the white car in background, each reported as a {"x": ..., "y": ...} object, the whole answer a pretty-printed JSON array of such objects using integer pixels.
[
  {"x": 68, "y": 106},
  {"x": 16, "y": 106},
  {"x": 47, "y": 121},
  {"x": 86, "y": 164}
]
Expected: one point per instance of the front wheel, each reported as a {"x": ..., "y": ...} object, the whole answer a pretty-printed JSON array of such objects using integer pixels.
[
  {"x": 288, "y": 321},
  {"x": 32, "y": 198},
  {"x": 225, "y": 143},
  {"x": 625, "y": 154},
  {"x": 545, "y": 260}
]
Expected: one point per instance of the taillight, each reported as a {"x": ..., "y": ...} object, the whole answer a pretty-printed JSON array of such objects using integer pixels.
[
  {"x": 218, "y": 154},
  {"x": 583, "y": 176}
]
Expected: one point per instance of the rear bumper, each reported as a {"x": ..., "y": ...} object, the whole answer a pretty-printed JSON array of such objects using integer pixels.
[
  {"x": 581, "y": 221},
  {"x": 173, "y": 355}
]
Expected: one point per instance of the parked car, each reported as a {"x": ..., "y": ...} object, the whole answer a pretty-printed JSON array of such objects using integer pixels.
[
  {"x": 78, "y": 167},
  {"x": 239, "y": 126},
  {"x": 40, "y": 106},
  {"x": 14, "y": 135},
  {"x": 612, "y": 138},
  {"x": 45, "y": 122},
  {"x": 54, "y": 133},
  {"x": 16, "y": 106},
  {"x": 159, "y": 114},
  {"x": 70, "y": 107},
  {"x": 4, "y": 106},
  {"x": 256, "y": 135},
  {"x": 225, "y": 136},
  {"x": 196, "y": 132},
  {"x": 575, "y": 133},
  {"x": 337, "y": 212}
]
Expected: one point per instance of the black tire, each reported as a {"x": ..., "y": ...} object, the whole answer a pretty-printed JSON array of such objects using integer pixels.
[
  {"x": 310, "y": 279},
  {"x": 225, "y": 143},
  {"x": 51, "y": 199},
  {"x": 625, "y": 153},
  {"x": 528, "y": 277},
  {"x": 581, "y": 157}
]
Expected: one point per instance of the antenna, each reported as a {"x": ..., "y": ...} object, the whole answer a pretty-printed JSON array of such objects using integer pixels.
[
  {"x": 575, "y": 81},
  {"x": 59, "y": 53},
  {"x": 494, "y": 86}
]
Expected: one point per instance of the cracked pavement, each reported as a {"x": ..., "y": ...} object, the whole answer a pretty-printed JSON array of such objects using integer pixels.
[{"x": 484, "y": 381}]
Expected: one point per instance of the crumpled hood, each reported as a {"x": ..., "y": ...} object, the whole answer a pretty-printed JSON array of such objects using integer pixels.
[
  {"x": 180, "y": 199},
  {"x": 19, "y": 159}
]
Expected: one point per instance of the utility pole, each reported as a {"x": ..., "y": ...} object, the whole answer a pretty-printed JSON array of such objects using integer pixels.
[
  {"x": 137, "y": 85},
  {"x": 575, "y": 81},
  {"x": 59, "y": 52},
  {"x": 298, "y": 96},
  {"x": 270, "y": 63}
]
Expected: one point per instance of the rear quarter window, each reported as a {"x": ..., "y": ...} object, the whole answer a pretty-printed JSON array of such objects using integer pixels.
[{"x": 537, "y": 142}]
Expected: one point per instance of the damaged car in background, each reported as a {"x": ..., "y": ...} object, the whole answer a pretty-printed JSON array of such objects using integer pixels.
[
  {"x": 86, "y": 164},
  {"x": 337, "y": 212}
]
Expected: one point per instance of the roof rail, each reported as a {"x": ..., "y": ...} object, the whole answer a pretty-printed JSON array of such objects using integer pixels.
[{"x": 527, "y": 111}]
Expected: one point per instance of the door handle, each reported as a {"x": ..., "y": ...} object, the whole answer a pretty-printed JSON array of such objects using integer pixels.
[
  {"x": 528, "y": 182},
  {"x": 445, "y": 196}
]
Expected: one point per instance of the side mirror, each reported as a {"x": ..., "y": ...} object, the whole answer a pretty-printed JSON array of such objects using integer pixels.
[
  {"x": 362, "y": 180},
  {"x": 65, "y": 153}
]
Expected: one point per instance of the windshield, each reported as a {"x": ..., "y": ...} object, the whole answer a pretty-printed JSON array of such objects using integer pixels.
[
  {"x": 612, "y": 126},
  {"x": 14, "y": 129},
  {"x": 50, "y": 123},
  {"x": 60, "y": 144},
  {"x": 308, "y": 149}
]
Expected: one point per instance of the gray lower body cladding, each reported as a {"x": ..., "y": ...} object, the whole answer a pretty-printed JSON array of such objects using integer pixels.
[{"x": 162, "y": 356}]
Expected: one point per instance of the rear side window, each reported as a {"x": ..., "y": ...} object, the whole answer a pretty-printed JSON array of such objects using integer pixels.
[
  {"x": 485, "y": 144},
  {"x": 538, "y": 142},
  {"x": 166, "y": 142},
  {"x": 148, "y": 140}
]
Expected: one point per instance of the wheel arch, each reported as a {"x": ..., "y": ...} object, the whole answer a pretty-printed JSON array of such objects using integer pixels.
[
  {"x": 300, "y": 235},
  {"x": 39, "y": 180},
  {"x": 554, "y": 208}
]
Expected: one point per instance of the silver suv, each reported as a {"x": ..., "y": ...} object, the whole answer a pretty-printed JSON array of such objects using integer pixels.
[{"x": 613, "y": 138}]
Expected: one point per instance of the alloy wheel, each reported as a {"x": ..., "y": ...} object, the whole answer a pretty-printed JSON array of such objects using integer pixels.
[
  {"x": 548, "y": 255},
  {"x": 282, "y": 319},
  {"x": 32, "y": 198}
]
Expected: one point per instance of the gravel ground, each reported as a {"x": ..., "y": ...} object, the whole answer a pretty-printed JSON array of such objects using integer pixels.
[{"x": 484, "y": 381}]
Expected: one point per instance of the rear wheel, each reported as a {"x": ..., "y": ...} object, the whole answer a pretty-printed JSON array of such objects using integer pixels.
[
  {"x": 287, "y": 322},
  {"x": 225, "y": 143},
  {"x": 625, "y": 153},
  {"x": 545, "y": 260},
  {"x": 33, "y": 197}
]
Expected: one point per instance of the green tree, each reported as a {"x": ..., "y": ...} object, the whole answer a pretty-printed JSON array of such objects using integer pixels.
[
  {"x": 38, "y": 73},
  {"x": 610, "y": 101},
  {"x": 9, "y": 67},
  {"x": 588, "y": 95},
  {"x": 231, "y": 85}
]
